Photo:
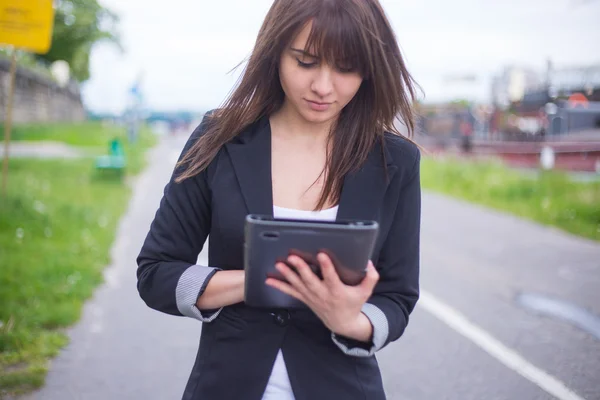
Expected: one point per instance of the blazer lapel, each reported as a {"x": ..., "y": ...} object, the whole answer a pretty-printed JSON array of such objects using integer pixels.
[
  {"x": 250, "y": 155},
  {"x": 363, "y": 191}
]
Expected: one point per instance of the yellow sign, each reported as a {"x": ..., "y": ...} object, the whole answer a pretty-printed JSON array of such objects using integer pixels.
[{"x": 27, "y": 24}]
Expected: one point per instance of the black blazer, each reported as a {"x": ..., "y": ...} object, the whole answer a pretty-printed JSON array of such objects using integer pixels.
[{"x": 239, "y": 344}]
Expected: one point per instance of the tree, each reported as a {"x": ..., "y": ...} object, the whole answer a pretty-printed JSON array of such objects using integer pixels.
[{"x": 78, "y": 25}]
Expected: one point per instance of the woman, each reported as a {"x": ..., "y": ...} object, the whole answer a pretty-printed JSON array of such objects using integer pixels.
[{"x": 308, "y": 133}]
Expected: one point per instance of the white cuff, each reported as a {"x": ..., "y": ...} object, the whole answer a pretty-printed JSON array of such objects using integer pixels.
[
  {"x": 380, "y": 333},
  {"x": 190, "y": 287}
]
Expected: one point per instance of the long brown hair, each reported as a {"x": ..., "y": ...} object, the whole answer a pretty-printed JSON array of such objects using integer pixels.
[{"x": 356, "y": 31}]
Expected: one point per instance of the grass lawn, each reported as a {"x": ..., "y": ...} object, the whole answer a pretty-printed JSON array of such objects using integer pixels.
[
  {"x": 94, "y": 137},
  {"x": 57, "y": 225},
  {"x": 76, "y": 134},
  {"x": 551, "y": 198}
]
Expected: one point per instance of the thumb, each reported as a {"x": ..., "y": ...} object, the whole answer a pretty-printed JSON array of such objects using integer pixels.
[{"x": 371, "y": 278}]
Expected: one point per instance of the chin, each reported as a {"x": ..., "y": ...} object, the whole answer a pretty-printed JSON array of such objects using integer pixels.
[{"x": 317, "y": 117}]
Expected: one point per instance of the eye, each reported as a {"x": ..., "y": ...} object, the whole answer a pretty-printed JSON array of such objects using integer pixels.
[
  {"x": 306, "y": 64},
  {"x": 345, "y": 68}
]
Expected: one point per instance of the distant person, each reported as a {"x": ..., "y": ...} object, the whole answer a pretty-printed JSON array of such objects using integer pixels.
[
  {"x": 466, "y": 132},
  {"x": 307, "y": 134},
  {"x": 172, "y": 128}
]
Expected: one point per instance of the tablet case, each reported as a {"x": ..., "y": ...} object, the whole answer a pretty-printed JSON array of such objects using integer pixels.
[{"x": 268, "y": 240}]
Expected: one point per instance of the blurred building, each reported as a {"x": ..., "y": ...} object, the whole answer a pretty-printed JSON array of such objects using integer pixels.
[
  {"x": 531, "y": 104},
  {"x": 513, "y": 83},
  {"x": 565, "y": 82}
]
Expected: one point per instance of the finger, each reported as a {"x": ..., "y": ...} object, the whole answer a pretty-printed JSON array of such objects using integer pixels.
[
  {"x": 302, "y": 254},
  {"x": 292, "y": 277},
  {"x": 371, "y": 278},
  {"x": 330, "y": 275},
  {"x": 309, "y": 279},
  {"x": 285, "y": 288}
]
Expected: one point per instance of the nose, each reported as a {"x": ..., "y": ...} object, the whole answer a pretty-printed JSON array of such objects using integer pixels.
[{"x": 322, "y": 84}]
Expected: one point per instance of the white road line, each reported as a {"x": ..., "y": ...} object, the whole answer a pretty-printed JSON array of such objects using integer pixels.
[{"x": 495, "y": 348}]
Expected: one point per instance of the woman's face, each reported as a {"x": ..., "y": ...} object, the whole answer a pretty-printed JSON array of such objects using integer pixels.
[{"x": 316, "y": 91}]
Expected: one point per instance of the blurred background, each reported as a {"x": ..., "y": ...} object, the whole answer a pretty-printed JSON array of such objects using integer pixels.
[{"x": 509, "y": 123}]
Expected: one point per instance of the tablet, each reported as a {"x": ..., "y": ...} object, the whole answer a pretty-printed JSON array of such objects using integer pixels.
[{"x": 268, "y": 240}]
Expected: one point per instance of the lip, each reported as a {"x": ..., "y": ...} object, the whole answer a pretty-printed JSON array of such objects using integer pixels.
[{"x": 317, "y": 106}]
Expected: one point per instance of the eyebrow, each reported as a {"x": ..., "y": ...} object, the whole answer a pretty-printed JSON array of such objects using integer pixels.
[{"x": 303, "y": 52}]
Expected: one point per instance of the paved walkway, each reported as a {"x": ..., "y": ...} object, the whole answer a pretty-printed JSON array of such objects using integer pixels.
[
  {"x": 42, "y": 149},
  {"x": 469, "y": 337}
]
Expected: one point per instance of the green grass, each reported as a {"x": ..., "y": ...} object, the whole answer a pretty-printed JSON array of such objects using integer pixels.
[
  {"x": 94, "y": 137},
  {"x": 78, "y": 134},
  {"x": 550, "y": 198},
  {"x": 57, "y": 225}
]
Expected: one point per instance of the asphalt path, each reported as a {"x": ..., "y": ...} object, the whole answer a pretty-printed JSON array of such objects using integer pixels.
[{"x": 470, "y": 336}]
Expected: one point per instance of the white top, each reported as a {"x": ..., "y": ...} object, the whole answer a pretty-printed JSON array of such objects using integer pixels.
[{"x": 279, "y": 387}]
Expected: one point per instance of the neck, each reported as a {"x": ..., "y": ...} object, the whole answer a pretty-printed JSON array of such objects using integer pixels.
[{"x": 293, "y": 126}]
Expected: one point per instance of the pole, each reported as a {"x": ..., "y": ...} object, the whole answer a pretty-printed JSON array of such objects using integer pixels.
[{"x": 8, "y": 119}]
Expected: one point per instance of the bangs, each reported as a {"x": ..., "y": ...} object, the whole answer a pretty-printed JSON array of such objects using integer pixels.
[{"x": 338, "y": 41}]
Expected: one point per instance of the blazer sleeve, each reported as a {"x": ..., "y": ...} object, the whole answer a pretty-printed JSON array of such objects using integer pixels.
[
  {"x": 397, "y": 291},
  {"x": 168, "y": 278}
]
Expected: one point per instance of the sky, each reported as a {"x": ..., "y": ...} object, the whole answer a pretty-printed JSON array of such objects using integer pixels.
[{"x": 185, "y": 51}]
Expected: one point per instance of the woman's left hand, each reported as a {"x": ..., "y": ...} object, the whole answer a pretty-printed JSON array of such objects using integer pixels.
[{"x": 336, "y": 304}]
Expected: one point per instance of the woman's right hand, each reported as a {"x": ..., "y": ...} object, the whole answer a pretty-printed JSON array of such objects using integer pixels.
[{"x": 223, "y": 289}]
